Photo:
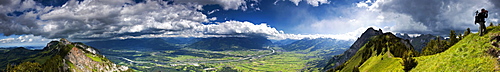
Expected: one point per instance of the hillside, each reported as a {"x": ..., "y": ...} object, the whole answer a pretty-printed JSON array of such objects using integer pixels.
[
  {"x": 231, "y": 43},
  {"x": 469, "y": 54},
  {"x": 360, "y": 42},
  {"x": 58, "y": 56},
  {"x": 472, "y": 53},
  {"x": 381, "y": 53}
]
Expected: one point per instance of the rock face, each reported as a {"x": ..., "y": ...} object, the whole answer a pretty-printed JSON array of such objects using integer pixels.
[
  {"x": 85, "y": 58},
  {"x": 365, "y": 37},
  {"x": 65, "y": 56},
  {"x": 83, "y": 63}
]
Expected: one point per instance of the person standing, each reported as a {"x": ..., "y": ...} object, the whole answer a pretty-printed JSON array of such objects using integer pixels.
[{"x": 480, "y": 19}]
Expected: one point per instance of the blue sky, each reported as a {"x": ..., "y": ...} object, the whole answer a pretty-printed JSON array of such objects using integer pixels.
[{"x": 29, "y": 22}]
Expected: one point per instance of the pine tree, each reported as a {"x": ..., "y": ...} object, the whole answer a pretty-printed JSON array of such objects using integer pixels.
[
  {"x": 467, "y": 32},
  {"x": 491, "y": 24},
  {"x": 453, "y": 37}
]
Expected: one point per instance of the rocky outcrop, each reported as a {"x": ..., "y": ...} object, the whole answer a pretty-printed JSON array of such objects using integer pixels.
[
  {"x": 365, "y": 37},
  {"x": 87, "y": 59},
  {"x": 83, "y": 62}
]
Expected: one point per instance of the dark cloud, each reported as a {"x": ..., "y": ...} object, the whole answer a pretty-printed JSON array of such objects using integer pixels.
[
  {"x": 5, "y": 2},
  {"x": 439, "y": 16}
]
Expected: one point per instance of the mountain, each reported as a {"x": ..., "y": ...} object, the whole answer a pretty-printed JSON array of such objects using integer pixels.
[
  {"x": 284, "y": 42},
  {"x": 231, "y": 43},
  {"x": 317, "y": 44},
  {"x": 380, "y": 51},
  {"x": 418, "y": 42},
  {"x": 421, "y": 41},
  {"x": 26, "y": 47},
  {"x": 181, "y": 40},
  {"x": 361, "y": 41},
  {"x": 387, "y": 53},
  {"x": 57, "y": 56},
  {"x": 135, "y": 44}
]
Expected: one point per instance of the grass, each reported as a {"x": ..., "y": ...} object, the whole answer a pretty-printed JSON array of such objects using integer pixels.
[
  {"x": 93, "y": 57},
  {"x": 354, "y": 61},
  {"x": 382, "y": 63},
  {"x": 469, "y": 54},
  {"x": 466, "y": 55}
]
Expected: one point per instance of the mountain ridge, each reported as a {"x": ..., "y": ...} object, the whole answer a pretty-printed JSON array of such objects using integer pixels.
[
  {"x": 362, "y": 40},
  {"x": 61, "y": 55}
]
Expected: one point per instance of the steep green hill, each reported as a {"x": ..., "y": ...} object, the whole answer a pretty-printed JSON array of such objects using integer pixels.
[
  {"x": 469, "y": 54},
  {"x": 381, "y": 53},
  {"x": 360, "y": 42}
]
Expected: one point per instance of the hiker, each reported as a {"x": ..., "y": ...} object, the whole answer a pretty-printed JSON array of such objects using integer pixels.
[{"x": 480, "y": 19}]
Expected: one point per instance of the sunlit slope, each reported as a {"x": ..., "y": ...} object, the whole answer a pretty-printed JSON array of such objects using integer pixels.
[
  {"x": 383, "y": 53},
  {"x": 469, "y": 54}
]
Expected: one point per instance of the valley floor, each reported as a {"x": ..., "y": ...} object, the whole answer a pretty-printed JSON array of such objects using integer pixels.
[{"x": 187, "y": 59}]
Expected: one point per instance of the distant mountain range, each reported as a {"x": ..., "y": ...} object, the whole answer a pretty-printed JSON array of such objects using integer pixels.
[
  {"x": 135, "y": 44},
  {"x": 26, "y": 47},
  {"x": 231, "y": 43},
  {"x": 316, "y": 44},
  {"x": 284, "y": 42},
  {"x": 418, "y": 42}
]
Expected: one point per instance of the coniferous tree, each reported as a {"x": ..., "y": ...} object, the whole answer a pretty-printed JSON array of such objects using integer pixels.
[
  {"x": 453, "y": 37},
  {"x": 491, "y": 24},
  {"x": 467, "y": 32},
  {"x": 435, "y": 46}
]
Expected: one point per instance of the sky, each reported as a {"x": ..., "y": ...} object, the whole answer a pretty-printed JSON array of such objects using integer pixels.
[{"x": 36, "y": 22}]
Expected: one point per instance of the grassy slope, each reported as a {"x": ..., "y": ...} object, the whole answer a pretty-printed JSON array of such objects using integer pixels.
[
  {"x": 467, "y": 55},
  {"x": 354, "y": 61},
  {"x": 383, "y": 63},
  {"x": 389, "y": 63}
]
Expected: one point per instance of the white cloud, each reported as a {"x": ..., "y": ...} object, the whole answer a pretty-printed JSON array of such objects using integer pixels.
[
  {"x": 243, "y": 29},
  {"x": 213, "y": 11},
  {"x": 317, "y": 2},
  {"x": 25, "y": 39},
  {"x": 103, "y": 19},
  {"x": 314, "y": 3},
  {"x": 226, "y": 4}
]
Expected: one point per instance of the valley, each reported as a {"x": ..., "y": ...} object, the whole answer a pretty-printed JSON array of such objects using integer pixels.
[
  {"x": 228, "y": 54},
  {"x": 266, "y": 59}
]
